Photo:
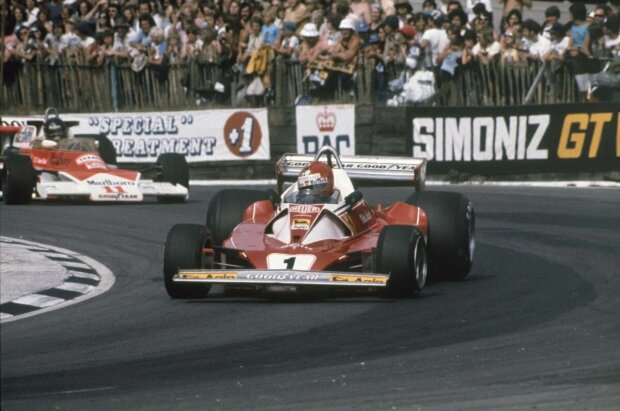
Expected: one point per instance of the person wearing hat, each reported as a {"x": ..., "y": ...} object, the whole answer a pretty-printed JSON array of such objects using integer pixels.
[
  {"x": 344, "y": 54},
  {"x": 122, "y": 38},
  {"x": 311, "y": 46},
  {"x": 349, "y": 45},
  {"x": 287, "y": 43},
  {"x": 434, "y": 39}
]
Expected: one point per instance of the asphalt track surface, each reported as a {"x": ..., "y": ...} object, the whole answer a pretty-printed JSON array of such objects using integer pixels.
[{"x": 536, "y": 325}]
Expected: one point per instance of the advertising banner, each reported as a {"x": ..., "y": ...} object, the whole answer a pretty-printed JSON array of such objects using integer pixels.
[
  {"x": 210, "y": 135},
  {"x": 527, "y": 139},
  {"x": 332, "y": 125}
]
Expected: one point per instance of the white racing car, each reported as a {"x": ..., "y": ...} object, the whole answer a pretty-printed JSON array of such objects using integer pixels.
[{"x": 81, "y": 169}]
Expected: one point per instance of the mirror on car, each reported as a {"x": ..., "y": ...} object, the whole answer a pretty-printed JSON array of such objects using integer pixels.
[{"x": 353, "y": 198}]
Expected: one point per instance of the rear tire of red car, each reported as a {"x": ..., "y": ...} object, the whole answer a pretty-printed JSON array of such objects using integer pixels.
[
  {"x": 173, "y": 169},
  {"x": 18, "y": 179},
  {"x": 401, "y": 253},
  {"x": 451, "y": 232},
  {"x": 226, "y": 209},
  {"x": 184, "y": 249}
]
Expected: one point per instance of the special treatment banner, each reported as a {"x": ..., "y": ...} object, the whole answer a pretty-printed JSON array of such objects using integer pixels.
[
  {"x": 210, "y": 135},
  {"x": 318, "y": 126},
  {"x": 571, "y": 137}
]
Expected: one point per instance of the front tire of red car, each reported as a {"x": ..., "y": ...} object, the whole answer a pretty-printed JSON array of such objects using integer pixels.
[
  {"x": 401, "y": 253},
  {"x": 184, "y": 249},
  {"x": 451, "y": 232}
]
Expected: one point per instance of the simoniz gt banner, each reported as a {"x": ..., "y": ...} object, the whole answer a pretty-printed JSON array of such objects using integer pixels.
[
  {"x": 210, "y": 135},
  {"x": 571, "y": 137},
  {"x": 318, "y": 126}
]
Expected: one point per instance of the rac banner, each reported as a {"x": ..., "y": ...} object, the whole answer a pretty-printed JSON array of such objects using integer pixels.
[
  {"x": 318, "y": 126},
  {"x": 209, "y": 135},
  {"x": 526, "y": 139}
]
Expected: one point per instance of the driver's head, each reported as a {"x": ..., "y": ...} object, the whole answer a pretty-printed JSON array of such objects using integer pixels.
[
  {"x": 317, "y": 180},
  {"x": 55, "y": 129}
]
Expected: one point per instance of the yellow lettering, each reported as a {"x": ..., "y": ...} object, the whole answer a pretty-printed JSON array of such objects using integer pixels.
[
  {"x": 599, "y": 120},
  {"x": 564, "y": 151}
]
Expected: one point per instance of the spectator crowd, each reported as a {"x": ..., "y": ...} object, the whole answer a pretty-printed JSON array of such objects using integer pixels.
[{"x": 327, "y": 37}]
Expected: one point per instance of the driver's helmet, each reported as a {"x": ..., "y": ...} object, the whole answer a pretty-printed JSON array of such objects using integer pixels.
[
  {"x": 54, "y": 129},
  {"x": 315, "y": 183}
]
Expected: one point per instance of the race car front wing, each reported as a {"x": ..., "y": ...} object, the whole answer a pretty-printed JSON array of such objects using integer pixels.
[
  {"x": 54, "y": 189},
  {"x": 283, "y": 277}
]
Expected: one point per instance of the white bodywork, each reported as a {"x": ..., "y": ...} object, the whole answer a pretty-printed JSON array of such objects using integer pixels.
[{"x": 105, "y": 187}]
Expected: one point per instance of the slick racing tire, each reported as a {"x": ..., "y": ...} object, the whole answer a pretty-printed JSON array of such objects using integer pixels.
[
  {"x": 226, "y": 210},
  {"x": 18, "y": 179},
  {"x": 173, "y": 169},
  {"x": 184, "y": 249},
  {"x": 106, "y": 150},
  {"x": 451, "y": 232},
  {"x": 401, "y": 253}
]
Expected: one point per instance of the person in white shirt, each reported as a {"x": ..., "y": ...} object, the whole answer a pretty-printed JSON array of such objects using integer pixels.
[
  {"x": 612, "y": 37},
  {"x": 121, "y": 38},
  {"x": 559, "y": 43},
  {"x": 536, "y": 44},
  {"x": 287, "y": 43},
  {"x": 69, "y": 41},
  {"x": 434, "y": 40},
  {"x": 487, "y": 47},
  {"x": 31, "y": 12}
]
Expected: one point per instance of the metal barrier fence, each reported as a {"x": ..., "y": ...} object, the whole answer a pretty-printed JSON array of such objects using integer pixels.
[
  {"x": 497, "y": 84},
  {"x": 116, "y": 87}
]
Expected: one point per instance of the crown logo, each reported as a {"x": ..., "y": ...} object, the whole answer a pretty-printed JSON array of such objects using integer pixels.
[{"x": 326, "y": 121}]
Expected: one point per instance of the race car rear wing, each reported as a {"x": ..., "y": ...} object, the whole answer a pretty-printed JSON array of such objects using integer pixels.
[{"x": 362, "y": 170}]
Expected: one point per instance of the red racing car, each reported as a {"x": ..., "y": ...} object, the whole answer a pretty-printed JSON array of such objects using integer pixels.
[
  {"x": 84, "y": 168},
  {"x": 320, "y": 232}
]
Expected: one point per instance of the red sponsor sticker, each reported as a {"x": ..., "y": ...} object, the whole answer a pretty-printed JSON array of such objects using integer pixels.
[{"x": 304, "y": 209}]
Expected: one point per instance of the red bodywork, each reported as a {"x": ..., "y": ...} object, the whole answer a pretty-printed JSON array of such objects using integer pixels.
[
  {"x": 81, "y": 165},
  {"x": 363, "y": 222}
]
